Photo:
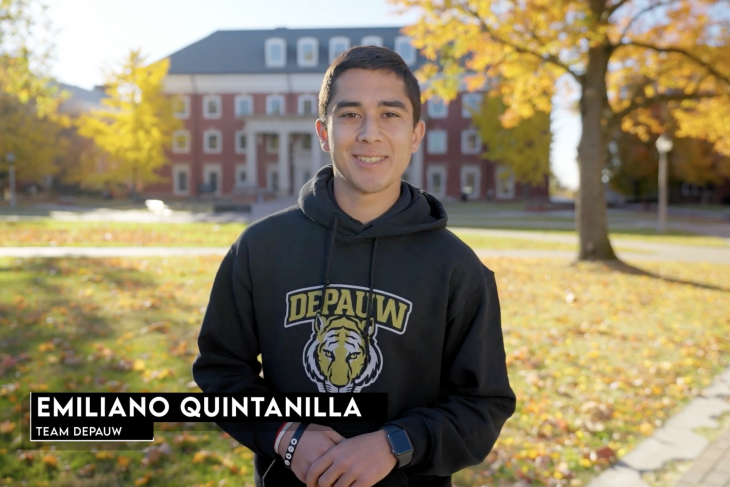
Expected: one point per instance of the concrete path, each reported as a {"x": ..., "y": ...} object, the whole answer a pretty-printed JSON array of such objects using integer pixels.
[
  {"x": 712, "y": 468},
  {"x": 678, "y": 441}
]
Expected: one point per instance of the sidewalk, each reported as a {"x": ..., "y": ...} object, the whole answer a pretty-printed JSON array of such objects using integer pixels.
[{"x": 712, "y": 468}]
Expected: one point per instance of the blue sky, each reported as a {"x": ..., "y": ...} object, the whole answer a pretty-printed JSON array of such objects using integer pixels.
[{"x": 97, "y": 34}]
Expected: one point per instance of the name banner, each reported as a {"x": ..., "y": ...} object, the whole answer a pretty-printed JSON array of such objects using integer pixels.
[{"x": 130, "y": 417}]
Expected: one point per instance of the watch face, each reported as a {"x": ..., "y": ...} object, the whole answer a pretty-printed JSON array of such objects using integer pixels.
[{"x": 400, "y": 443}]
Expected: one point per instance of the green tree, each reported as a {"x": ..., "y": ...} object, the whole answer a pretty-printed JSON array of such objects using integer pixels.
[
  {"x": 625, "y": 56},
  {"x": 135, "y": 129}
]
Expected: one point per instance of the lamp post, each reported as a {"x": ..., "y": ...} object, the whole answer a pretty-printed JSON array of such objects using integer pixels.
[
  {"x": 11, "y": 175},
  {"x": 664, "y": 145}
]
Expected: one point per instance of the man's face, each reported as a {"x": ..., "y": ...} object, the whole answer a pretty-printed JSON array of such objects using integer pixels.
[{"x": 370, "y": 131}]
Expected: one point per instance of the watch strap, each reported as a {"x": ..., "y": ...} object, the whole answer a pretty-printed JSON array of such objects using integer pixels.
[{"x": 404, "y": 458}]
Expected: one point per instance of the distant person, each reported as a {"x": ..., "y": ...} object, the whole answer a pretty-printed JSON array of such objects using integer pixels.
[{"x": 361, "y": 288}]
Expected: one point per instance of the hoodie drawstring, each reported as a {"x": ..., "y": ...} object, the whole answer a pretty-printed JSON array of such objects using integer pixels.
[{"x": 328, "y": 265}]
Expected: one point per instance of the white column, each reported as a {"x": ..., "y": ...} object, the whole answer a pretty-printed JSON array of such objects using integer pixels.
[
  {"x": 316, "y": 154},
  {"x": 284, "y": 185},
  {"x": 416, "y": 170},
  {"x": 251, "y": 162}
]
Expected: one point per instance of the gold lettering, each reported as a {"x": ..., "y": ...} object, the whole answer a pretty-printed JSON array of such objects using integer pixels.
[
  {"x": 330, "y": 298},
  {"x": 345, "y": 304},
  {"x": 384, "y": 312},
  {"x": 297, "y": 307},
  {"x": 313, "y": 301},
  {"x": 361, "y": 308}
]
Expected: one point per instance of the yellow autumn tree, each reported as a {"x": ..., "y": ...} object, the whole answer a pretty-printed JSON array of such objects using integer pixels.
[
  {"x": 625, "y": 57},
  {"x": 135, "y": 128},
  {"x": 524, "y": 148}
]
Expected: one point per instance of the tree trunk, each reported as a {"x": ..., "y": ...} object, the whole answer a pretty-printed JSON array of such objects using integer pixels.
[{"x": 590, "y": 208}]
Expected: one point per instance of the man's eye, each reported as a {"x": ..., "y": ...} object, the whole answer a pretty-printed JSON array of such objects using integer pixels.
[
  {"x": 390, "y": 114},
  {"x": 349, "y": 115}
]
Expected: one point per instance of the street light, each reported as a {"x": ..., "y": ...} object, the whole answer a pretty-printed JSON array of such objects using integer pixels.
[
  {"x": 11, "y": 174},
  {"x": 664, "y": 145}
]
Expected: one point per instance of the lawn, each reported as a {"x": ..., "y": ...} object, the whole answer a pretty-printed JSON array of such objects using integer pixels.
[{"x": 598, "y": 360}]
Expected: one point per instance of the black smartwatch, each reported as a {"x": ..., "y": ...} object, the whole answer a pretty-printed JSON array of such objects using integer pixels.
[{"x": 400, "y": 444}]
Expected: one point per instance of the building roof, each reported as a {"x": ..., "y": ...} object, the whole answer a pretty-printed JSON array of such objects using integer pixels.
[
  {"x": 242, "y": 51},
  {"x": 81, "y": 100}
]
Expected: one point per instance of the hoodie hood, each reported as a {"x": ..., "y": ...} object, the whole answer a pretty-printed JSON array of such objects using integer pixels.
[{"x": 414, "y": 211}]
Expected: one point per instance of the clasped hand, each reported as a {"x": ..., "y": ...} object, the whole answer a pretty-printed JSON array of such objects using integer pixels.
[{"x": 324, "y": 458}]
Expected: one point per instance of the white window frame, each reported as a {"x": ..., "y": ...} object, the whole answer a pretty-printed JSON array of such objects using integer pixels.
[
  {"x": 433, "y": 108},
  {"x": 176, "y": 170},
  {"x": 206, "y": 113},
  {"x": 465, "y": 104},
  {"x": 216, "y": 168},
  {"x": 510, "y": 193},
  {"x": 467, "y": 169},
  {"x": 405, "y": 40},
  {"x": 430, "y": 147},
  {"x": 465, "y": 137},
  {"x": 186, "y": 104},
  {"x": 178, "y": 133},
  {"x": 236, "y": 107},
  {"x": 207, "y": 149},
  {"x": 275, "y": 41},
  {"x": 269, "y": 102},
  {"x": 272, "y": 169},
  {"x": 300, "y": 52},
  {"x": 270, "y": 149},
  {"x": 432, "y": 169},
  {"x": 237, "y": 139},
  {"x": 333, "y": 42},
  {"x": 240, "y": 168},
  {"x": 372, "y": 41},
  {"x": 300, "y": 103}
]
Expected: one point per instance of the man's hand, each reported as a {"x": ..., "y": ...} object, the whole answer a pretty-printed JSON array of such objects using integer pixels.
[
  {"x": 361, "y": 461},
  {"x": 314, "y": 442}
]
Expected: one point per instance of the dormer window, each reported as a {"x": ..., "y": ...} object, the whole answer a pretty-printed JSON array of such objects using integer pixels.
[
  {"x": 307, "y": 52},
  {"x": 275, "y": 53},
  {"x": 338, "y": 45},
  {"x": 405, "y": 50},
  {"x": 372, "y": 41}
]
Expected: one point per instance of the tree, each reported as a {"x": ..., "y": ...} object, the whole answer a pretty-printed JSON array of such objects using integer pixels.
[
  {"x": 524, "y": 148},
  {"x": 136, "y": 128},
  {"x": 668, "y": 51}
]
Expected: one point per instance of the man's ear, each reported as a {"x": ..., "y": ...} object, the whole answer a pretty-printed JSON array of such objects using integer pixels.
[
  {"x": 418, "y": 132},
  {"x": 323, "y": 135}
]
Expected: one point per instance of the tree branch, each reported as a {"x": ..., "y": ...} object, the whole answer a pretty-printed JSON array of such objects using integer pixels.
[
  {"x": 616, "y": 117},
  {"x": 641, "y": 12},
  {"x": 617, "y": 6},
  {"x": 676, "y": 50},
  {"x": 550, "y": 58}
]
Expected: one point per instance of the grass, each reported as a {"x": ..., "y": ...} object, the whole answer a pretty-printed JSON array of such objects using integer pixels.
[{"x": 598, "y": 359}]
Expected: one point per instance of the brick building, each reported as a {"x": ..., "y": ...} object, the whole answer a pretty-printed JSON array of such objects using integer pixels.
[{"x": 248, "y": 100}]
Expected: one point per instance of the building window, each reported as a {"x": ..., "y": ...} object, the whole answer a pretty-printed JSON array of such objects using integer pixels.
[
  {"x": 181, "y": 142},
  {"x": 470, "y": 102},
  {"x": 505, "y": 183},
  {"x": 470, "y": 181},
  {"x": 405, "y": 50},
  {"x": 372, "y": 41},
  {"x": 241, "y": 141},
  {"x": 307, "y": 104},
  {"x": 437, "y": 108},
  {"x": 272, "y": 178},
  {"x": 181, "y": 106},
  {"x": 212, "y": 142},
  {"x": 275, "y": 105},
  {"x": 471, "y": 142},
  {"x": 338, "y": 45},
  {"x": 244, "y": 105},
  {"x": 272, "y": 143},
  {"x": 241, "y": 175},
  {"x": 436, "y": 142},
  {"x": 436, "y": 180},
  {"x": 306, "y": 142},
  {"x": 212, "y": 178},
  {"x": 212, "y": 106},
  {"x": 180, "y": 179},
  {"x": 275, "y": 52},
  {"x": 307, "y": 52}
]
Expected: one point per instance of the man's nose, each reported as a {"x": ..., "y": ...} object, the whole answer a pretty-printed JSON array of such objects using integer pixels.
[{"x": 370, "y": 130}]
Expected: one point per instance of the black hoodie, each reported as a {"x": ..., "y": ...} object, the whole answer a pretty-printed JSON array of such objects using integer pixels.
[{"x": 436, "y": 347}]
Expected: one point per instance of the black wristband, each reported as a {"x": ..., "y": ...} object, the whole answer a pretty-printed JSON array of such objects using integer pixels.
[{"x": 289, "y": 455}]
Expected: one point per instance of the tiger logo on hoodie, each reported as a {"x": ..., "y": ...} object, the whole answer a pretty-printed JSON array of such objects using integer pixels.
[{"x": 342, "y": 354}]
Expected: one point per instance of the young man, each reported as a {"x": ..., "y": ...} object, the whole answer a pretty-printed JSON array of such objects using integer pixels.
[{"x": 360, "y": 287}]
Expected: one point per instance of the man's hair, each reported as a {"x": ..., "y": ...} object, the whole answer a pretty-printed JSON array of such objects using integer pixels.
[{"x": 371, "y": 58}]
